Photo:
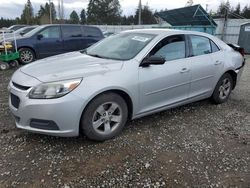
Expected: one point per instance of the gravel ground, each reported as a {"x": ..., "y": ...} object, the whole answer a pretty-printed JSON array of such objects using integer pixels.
[{"x": 197, "y": 145}]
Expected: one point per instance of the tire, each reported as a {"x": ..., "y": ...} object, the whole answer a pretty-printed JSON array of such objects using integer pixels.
[
  {"x": 4, "y": 66},
  {"x": 14, "y": 63},
  {"x": 104, "y": 117},
  {"x": 223, "y": 89},
  {"x": 27, "y": 55}
]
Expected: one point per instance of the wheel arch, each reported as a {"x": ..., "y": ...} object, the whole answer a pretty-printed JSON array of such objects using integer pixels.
[
  {"x": 233, "y": 74},
  {"x": 127, "y": 98},
  {"x": 29, "y": 47}
]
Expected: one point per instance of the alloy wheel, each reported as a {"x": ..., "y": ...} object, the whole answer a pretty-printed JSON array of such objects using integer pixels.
[
  {"x": 107, "y": 118},
  {"x": 224, "y": 89}
]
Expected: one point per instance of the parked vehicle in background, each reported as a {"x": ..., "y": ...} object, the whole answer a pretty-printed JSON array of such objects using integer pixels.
[
  {"x": 20, "y": 32},
  {"x": 11, "y": 29},
  {"x": 125, "y": 76},
  {"x": 107, "y": 33},
  {"x": 16, "y": 27},
  {"x": 53, "y": 39}
]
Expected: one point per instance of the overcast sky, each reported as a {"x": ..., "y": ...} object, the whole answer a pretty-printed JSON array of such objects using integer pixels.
[{"x": 13, "y": 8}]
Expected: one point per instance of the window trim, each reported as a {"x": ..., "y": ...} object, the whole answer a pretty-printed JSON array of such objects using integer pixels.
[
  {"x": 211, "y": 41},
  {"x": 60, "y": 31},
  {"x": 71, "y": 36},
  {"x": 84, "y": 28},
  {"x": 191, "y": 52},
  {"x": 185, "y": 41}
]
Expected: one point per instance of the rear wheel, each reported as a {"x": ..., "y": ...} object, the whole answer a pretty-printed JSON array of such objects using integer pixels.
[
  {"x": 105, "y": 117},
  {"x": 223, "y": 89},
  {"x": 26, "y": 55},
  {"x": 4, "y": 65},
  {"x": 14, "y": 63}
]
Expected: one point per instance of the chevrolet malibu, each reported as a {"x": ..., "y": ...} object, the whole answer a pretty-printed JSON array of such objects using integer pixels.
[{"x": 125, "y": 76}]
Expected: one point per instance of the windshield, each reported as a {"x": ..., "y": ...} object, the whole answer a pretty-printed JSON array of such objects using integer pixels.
[
  {"x": 34, "y": 31},
  {"x": 122, "y": 46}
]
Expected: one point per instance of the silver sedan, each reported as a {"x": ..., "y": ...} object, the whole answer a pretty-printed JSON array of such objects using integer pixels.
[{"x": 125, "y": 76}]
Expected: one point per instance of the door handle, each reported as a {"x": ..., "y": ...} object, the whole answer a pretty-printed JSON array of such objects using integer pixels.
[
  {"x": 217, "y": 62},
  {"x": 184, "y": 70}
]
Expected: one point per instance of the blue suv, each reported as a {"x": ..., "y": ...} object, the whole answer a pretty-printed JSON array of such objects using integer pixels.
[{"x": 49, "y": 40}]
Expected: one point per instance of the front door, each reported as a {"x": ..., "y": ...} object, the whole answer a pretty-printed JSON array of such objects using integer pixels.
[
  {"x": 49, "y": 42},
  {"x": 167, "y": 84}
]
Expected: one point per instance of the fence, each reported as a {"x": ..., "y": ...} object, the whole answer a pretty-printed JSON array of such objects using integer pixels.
[{"x": 231, "y": 32}]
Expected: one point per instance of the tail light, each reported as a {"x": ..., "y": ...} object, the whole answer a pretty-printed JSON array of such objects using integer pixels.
[{"x": 242, "y": 51}]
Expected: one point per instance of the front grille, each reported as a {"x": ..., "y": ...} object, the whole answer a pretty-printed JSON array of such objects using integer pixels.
[
  {"x": 15, "y": 101},
  {"x": 20, "y": 86}
]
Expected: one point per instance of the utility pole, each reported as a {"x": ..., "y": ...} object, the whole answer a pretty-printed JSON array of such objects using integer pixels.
[
  {"x": 60, "y": 10},
  {"x": 225, "y": 23},
  {"x": 140, "y": 7},
  {"x": 50, "y": 13}
]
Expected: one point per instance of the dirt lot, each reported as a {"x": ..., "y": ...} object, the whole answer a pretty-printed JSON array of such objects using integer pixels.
[{"x": 198, "y": 145}]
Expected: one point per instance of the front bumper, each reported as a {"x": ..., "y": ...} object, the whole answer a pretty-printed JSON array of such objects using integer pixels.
[{"x": 63, "y": 113}]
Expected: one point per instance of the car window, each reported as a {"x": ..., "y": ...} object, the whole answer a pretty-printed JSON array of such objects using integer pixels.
[
  {"x": 200, "y": 45},
  {"x": 214, "y": 47},
  {"x": 91, "y": 32},
  {"x": 71, "y": 31},
  {"x": 51, "y": 32},
  {"x": 123, "y": 46},
  {"x": 171, "y": 48}
]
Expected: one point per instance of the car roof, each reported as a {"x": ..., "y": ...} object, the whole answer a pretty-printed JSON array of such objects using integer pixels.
[
  {"x": 166, "y": 32},
  {"x": 68, "y": 25}
]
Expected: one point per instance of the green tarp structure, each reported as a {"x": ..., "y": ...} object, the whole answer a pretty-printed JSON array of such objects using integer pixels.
[{"x": 193, "y": 15}]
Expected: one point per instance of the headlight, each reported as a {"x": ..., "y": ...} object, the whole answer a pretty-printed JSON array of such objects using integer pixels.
[{"x": 54, "y": 89}]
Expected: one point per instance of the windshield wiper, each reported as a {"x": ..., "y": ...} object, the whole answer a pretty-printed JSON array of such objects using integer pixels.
[
  {"x": 98, "y": 56},
  {"x": 83, "y": 51},
  {"x": 95, "y": 55}
]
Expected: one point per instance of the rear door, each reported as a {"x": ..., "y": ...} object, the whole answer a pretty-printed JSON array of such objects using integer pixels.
[
  {"x": 91, "y": 36},
  {"x": 49, "y": 42},
  {"x": 72, "y": 38},
  {"x": 204, "y": 66}
]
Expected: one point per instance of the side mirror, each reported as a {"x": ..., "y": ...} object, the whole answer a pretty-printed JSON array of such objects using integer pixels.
[
  {"x": 39, "y": 36},
  {"x": 153, "y": 60}
]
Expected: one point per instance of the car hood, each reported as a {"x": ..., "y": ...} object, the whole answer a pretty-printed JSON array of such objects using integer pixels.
[{"x": 69, "y": 66}]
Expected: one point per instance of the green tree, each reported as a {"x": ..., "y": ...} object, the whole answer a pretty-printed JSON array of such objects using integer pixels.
[
  {"x": 83, "y": 16},
  {"x": 223, "y": 7},
  {"x": 147, "y": 15},
  {"x": 28, "y": 13},
  {"x": 246, "y": 12},
  {"x": 237, "y": 10},
  {"x": 74, "y": 18},
  {"x": 104, "y": 12},
  {"x": 44, "y": 13}
]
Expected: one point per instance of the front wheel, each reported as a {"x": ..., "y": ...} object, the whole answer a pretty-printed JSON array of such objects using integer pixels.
[
  {"x": 223, "y": 89},
  {"x": 26, "y": 55},
  {"x": 105, "y": 117}
]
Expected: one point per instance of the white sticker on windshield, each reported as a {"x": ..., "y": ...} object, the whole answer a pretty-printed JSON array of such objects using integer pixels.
[{"x": 140, "y": 39}]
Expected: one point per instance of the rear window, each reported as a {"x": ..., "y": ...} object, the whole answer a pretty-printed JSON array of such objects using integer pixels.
[
  {"x": 214, "y": 47},
  {"x": 201, "y": 45},
  {"x": 91, "y": 32},
  {"x": 71, "y": 31}
]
